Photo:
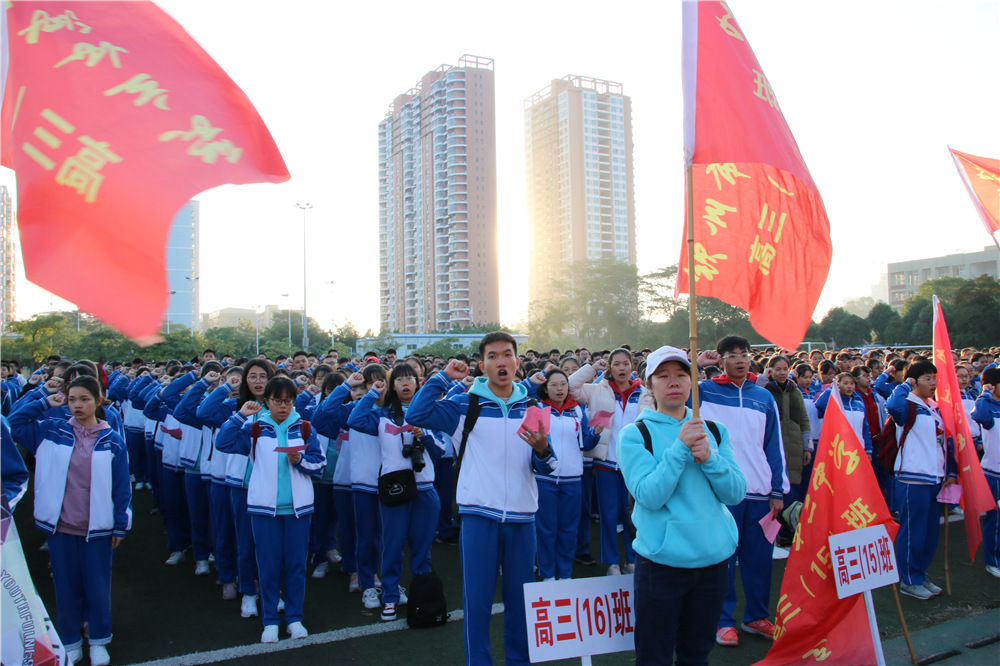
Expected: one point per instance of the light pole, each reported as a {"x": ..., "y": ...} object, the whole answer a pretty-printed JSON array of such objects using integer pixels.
[
  {"x": 305, "y": 329},
  {"x": 289, "y": 311},
  {"x": 256, "y": 325},
  {"x": 194, "y": 314},
  {"x": 168, "y": 313}
]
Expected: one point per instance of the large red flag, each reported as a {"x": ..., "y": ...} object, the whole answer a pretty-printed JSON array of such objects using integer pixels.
[
  {"x": 812, "y": 623},
  {"x": 976, "y": 494},
  {"x": 981, "y": 176},
  {"x": 113, "y": 117},
  {"x": 762, "y": 238}
]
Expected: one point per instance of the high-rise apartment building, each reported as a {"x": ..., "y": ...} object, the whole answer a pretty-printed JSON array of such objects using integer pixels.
[
  {"x": 437, "y": 202},
  {"x": 581, "y": 206},
  {"x": 8, "y": 246},
  {"x": 182, "y": 268}
]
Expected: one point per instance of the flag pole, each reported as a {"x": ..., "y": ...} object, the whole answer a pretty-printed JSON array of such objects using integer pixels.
[
  {"x": 902, "y": 621},
  {"x": 692, "y": 300}
]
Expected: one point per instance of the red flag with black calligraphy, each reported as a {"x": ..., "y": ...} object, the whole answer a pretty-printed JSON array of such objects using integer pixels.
[
  {"x": 762, "y": 238},
  {"x": 976, "y": 494},
  {"x": 812, "y": 624},
  {"x": 113, "y": 117},
  {"x": 981, "y": 176}
]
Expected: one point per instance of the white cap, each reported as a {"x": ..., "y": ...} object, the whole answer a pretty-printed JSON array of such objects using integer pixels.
[{"x": 664, "y": 354}]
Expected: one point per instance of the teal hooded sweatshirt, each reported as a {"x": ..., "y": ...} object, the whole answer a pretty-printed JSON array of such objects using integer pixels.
[{"x": 680, "y": 512}]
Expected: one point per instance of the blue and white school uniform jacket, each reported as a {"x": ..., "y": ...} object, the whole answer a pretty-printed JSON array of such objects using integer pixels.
[
  {"x": 370, "y": 419},
  {"x": 854, "y": 410},
  {"x": 14, "y": 472},
  {"x": 969, "y": 397},
  {"x": 926, "y": 456},
  {"x": 330, "y": 420},
  {"x": 599, "y": 396},
  {"x": 262, "y": 491},
  {"x": 51, "y": 441},
  {"x": 987, "y": 415},
  {"x": 884, "y": 385},
  {"x": 214, "y": 411},
  {"x": 751, "y": 415},
  {"x": 809, "y": 439},
  {"x": 569, "y": 436},
  {"x": 211, "y": 463},
  {"x": 496, "y": 479}
]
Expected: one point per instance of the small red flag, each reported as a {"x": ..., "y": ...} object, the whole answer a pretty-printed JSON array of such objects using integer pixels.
[
  {"x": 762, "y": 238},
  {"x": 813, "y": 625},
  {"x": 113, "y": 117},
  {"x": 981, "y": 176},
  {"x": 976, "y": 494}
]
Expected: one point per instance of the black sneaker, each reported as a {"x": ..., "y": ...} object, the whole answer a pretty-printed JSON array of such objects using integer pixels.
[{"x": 585, "y": 559}]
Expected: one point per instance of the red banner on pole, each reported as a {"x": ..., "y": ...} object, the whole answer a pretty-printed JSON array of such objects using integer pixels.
[
  {"x": 113, "y": 117},
  {"x": 812, "y": 623},
  {"x": 981, "y": 176},
  {"x": 976, "y": 494},
  {"x": 762, "y": 238}
]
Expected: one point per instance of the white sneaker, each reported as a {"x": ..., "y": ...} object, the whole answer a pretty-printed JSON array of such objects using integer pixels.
[
  {"x": 389, "y": 612},
  {"x": 175, "y": 558},
  {"x": 99, "y": 656},
  {"x": 296, "y": 630},
  {"x": 378, "y": 583},
  {"x": 270, "y": 634},
  {"x": 993, "y": 571},
  {"x": 370, "y": 599},
  {"x": 354, "y": 585},
  {"x": 201, "y": 568},
  {"x": 931, "y": 587},
  {"x": 614, "y": 570},
  {"x": 248, "y": 607},
  {"x": 915, "y": 591},
  {"x": 630, "y": 568},
  {"x": 281, "y": 605},
  {"x": 320, "y": 570},
  {"x": 402, "y": 596},
  {"x": 334, "y": 556},
  {"x": 74, "y": 656}
]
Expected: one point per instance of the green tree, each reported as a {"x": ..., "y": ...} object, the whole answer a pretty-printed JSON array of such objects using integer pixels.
[
  {"x": 102, "y": 344},
  {"x": 946, "y": 288},
  {"x": 656, "y": 292},
  {"x": 446, "y": 347},
  {"x": 178, "y": 344},
  {"x": 844, "y": 329},
  {"x": 347, "y": 335},
  {"x": 859, "y": 306},
  {"x": 975, "y": 318},
  {"x": 239, "y": 340},
  {"x": 880, "y": 320},
  {"x": 40, "y": 336}
]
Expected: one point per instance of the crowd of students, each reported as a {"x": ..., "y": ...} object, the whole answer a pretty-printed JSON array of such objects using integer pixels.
[{"x": 256, "y": 464}]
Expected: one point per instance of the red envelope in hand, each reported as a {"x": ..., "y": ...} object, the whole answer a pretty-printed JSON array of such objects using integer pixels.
[
  {"x": 600, "y": 418},
  {"x": 534, "y": 418},
  {"x": 393, "y": 429},
  {"x": 290, "y": 449}
]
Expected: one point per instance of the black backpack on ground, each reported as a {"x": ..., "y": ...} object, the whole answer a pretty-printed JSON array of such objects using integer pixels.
[{"x": 426, "y": 605}]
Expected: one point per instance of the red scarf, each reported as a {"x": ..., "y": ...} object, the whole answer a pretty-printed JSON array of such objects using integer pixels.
[
  {"x": 568, "y": 405},
  {"x": 623, "y": 395},
  {"x": 724, "y": 379},
  {"x": 871, "y": 412}
]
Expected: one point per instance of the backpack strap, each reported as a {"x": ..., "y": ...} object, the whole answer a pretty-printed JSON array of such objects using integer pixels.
[
  {"x": 646, "y": 437},
  {"x": 471, "y": 416},
  {"x": 911, "y": 418},
  {"x": 713, "y": 428}
]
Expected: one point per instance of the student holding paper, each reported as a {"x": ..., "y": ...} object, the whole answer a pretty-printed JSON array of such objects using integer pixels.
[
  {"x": 279, "y": 497},
  {"x": 559, "y": 493},
  {"x": 682, "y": 479},
  {"x": 495, "y": 489}
]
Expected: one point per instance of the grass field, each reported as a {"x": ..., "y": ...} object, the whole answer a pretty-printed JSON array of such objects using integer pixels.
[{"x": 167, "y": 613}]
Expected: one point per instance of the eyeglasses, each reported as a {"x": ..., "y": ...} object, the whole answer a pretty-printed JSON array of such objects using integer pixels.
[
  {"x": 737, "y": 357},
  {"x": 283, "y": 402}
]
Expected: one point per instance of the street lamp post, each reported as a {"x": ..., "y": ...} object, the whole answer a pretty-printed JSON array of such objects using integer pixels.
[
  {"x": 289, "y": 311},
  {"x": 168, "y": 314},
  {"x": 256, "y": 325},
  {"x": 305, "y": 329}
]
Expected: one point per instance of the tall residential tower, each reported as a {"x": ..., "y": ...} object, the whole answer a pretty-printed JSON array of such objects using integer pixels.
[
  {"x": 182, "y": 268},
  {"x": 581, "y": 206},
  {"x": 437, "y": 202}
]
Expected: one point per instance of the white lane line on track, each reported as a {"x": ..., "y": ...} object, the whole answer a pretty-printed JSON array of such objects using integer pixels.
[{"x": 226, "y": 654}]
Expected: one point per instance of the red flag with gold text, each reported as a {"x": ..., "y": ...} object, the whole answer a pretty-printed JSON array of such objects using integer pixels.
[
  {"x": 981, "y": 176},
  {"x": 812, "y": 624},
  {"x": 976, "y": 494},
  {"x": 113, "y": 117},
  {"x": 762, "y": 238}
]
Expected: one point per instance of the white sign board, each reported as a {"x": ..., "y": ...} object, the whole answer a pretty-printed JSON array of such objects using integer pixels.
[
  {"x": 579, "y": 617},
  {"x": 862, "y": 560}
]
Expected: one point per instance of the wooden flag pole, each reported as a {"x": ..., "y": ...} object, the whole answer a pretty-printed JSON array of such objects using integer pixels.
[
  {"x": 947, "y": 574},
  {"x": 902, "y": 621},
  {"x": 692, "y": 301}
]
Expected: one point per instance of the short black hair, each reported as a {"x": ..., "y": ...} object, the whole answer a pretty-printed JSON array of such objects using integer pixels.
[
  {"x": 497, "y": 336},
  {"x": 390, "y": 351},
  {"x": 731, "y": 343},
  {"x": 919, "y": 369},
  {"x": 299, "y": 353},
  {"x": 990, "y": 376}
]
